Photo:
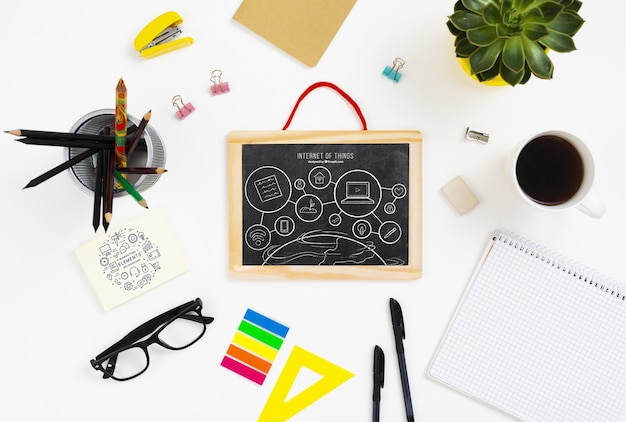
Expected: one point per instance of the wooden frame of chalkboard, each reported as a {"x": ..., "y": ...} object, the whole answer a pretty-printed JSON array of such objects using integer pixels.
[{"x": 325, "y": 204}]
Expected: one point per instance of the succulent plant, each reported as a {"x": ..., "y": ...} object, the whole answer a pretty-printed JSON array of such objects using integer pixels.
[{"x": 511, "y": 38}]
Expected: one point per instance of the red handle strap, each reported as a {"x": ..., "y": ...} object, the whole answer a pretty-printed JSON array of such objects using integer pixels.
[{"x": 336, "y": 88}]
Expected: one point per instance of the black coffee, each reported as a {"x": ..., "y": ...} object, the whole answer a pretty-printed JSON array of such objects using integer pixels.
[{"x": 549, "y": 170}]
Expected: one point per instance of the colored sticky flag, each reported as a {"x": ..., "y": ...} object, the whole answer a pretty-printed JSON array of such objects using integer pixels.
[{"x": 254, "y": 347}]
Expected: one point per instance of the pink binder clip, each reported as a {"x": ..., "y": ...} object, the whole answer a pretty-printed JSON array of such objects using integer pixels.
[
  {"x": 218, "y": 86},
  {"x": 184, "y": 110}
]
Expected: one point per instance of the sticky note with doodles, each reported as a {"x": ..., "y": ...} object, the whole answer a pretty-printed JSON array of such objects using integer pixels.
[{"x": 131, "y": 259}]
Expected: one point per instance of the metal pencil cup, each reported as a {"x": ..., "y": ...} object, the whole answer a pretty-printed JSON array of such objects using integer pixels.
[{"x": 149, "y": 151}]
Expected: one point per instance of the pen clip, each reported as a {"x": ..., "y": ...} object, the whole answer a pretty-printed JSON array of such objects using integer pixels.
[
  {"x": 396, "y": 317},
  {"x": 379, "y": 371}
]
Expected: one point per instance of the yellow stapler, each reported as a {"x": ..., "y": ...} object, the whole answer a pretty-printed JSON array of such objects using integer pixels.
[{"x": 157, "y": 37}]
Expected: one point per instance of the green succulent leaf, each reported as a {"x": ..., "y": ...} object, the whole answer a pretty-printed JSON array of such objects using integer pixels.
[
  {"x": 489, "y": 74},
  {"x": 535, "y": 31},
  {"x": 453, "y": 29},
  {"x": 559, "y": 42},
  {"x": 537, "y": 59},
  {"x": 482, "y": 36},
  {"x": 464, "y": 48},
  {"x": 505, "y": 6},
  {"x": 459, "y": 6},
  {"x": 485, "y": 57},
  {"x": 550, "y": 10},
  {"x": 510, "y": 77},
  {"x": 575, "y": 6},
  {"x": 491, "y": 14},
  {"x": 566, "y": 23},
  {"x": 522, "y": 5},
  {"x": 476, "y": 5},
  {"x": 462, "y": 37},
  {"x": 503, "y": 31},
  {"x": 534, "y": 15},
  {"x": 527, "y": 75},
  {"x": 465, "y": 20},
  {"x": 513, "y": 57}
]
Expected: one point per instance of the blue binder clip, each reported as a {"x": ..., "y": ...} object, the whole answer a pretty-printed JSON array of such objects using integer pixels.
[{"x": 393, "y": 72}]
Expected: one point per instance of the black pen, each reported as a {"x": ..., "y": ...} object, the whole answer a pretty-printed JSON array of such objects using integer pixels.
[
  {"x": 379, "y": 381},
  {"x": 398, "y": 331}
]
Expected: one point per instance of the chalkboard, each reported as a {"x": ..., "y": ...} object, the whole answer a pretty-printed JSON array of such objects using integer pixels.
[{"x": 317, "y": 202}]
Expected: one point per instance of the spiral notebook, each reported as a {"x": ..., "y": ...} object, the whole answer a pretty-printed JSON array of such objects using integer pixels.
[{"x": 538, "y": 337}]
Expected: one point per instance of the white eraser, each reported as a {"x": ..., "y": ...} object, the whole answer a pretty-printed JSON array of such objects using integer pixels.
[{"x": 459, "y": 195}]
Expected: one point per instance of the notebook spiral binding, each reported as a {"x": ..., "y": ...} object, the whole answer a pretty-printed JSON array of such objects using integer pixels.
[{"x": 573, "y": 268}]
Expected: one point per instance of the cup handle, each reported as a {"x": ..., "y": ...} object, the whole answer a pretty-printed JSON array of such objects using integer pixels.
[{"x": 592, "y": 207}]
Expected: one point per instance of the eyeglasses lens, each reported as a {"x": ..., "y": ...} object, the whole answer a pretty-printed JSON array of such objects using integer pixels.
[
  {"x": 182, "y": 332},
  {"x": 129, "y": 363}
]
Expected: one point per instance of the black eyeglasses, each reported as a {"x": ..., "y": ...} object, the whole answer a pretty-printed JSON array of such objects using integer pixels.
[{"x": 175, "y": 329}]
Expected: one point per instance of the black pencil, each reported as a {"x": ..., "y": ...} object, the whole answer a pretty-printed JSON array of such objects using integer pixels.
[
  {"x": 130, "y": 145},
  {"x": 97, "y": 192},
  {"x": 109, "y": 183},
  {"x": 61, "y": 135},
  {"x": 105, "y": 188},
  {"x": 68, "y": 143},
  {"x": 58, "y": 169},
  {"x": 141, "y": 170}
]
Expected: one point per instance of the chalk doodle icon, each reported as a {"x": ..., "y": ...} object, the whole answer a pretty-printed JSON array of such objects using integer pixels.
[
  {"x": 357, "y": 193},
  {"x": 258, "y": 237},
  {"x": 284, "y": 225},
  {"x": 319, "y": 177},
  {"x": 308, "y": 208},
  {"x": 268, "y": 188}
]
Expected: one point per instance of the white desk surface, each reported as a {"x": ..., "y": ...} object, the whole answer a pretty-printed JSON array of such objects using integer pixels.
[{"x": 63, "y": 59}]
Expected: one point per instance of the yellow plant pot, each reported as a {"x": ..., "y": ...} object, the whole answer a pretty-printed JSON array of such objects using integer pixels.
[{"x": 497, "y": 81}]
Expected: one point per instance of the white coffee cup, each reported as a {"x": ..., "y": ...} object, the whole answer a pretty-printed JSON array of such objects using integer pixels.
[{"x": 554, "y": 171}]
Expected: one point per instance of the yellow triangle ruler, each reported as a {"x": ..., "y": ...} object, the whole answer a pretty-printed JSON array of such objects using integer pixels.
[{"x": 278, "y": 409}]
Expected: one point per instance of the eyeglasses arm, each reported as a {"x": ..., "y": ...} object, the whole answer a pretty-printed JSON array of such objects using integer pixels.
[
  {"x": 110, "y": 368},
  {"x": 198, "y": 318}
]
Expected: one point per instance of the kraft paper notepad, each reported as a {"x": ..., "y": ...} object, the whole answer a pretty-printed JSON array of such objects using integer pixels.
[
  {"x": 131, "y": 259},
  {"x": 538, "y": 336},
  {"x": 302, "y": 28}
]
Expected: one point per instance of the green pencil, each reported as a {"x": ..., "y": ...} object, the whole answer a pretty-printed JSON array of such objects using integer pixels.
[{"x": 130, "y": 189}]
